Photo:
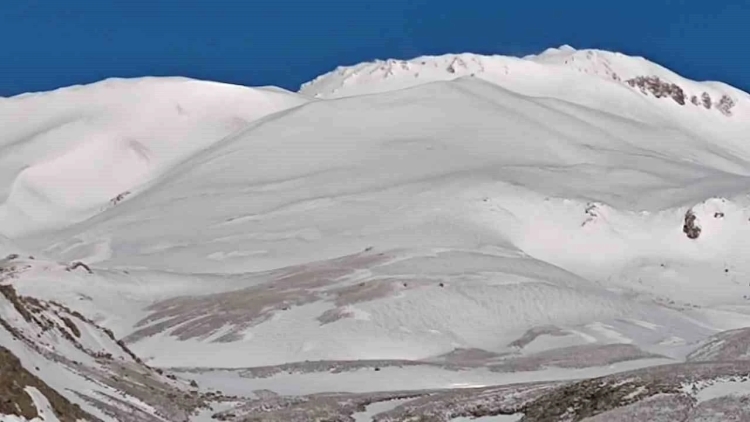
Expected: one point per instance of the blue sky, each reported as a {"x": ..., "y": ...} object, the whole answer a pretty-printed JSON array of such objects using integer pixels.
[{"x": 45, "y": 44}]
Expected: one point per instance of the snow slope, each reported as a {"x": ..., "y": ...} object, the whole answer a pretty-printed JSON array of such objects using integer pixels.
[
  {"x": 121, "y": 133},
  {"x": 6, "y": 246},
  {"x": 535, "y": 214},
  {"x": 474, "y": 175},
  {"x": 387, "y": 163}
]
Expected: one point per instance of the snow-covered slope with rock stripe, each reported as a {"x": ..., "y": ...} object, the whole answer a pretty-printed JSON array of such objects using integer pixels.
[{"x": 50, "y": 353}]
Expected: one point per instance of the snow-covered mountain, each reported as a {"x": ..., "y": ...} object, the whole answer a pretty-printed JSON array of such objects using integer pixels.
[
  {"x": 556, "y": 71},
  {"x": 399, "y": 231}
]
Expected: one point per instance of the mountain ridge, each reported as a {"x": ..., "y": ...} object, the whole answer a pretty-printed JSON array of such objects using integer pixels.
[{"x": 637, "y": 72}]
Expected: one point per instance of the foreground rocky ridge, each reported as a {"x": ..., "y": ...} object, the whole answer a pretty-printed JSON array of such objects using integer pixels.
[
  {"x": 79, "y": 366},
  {"x": 17, "y": 400}
]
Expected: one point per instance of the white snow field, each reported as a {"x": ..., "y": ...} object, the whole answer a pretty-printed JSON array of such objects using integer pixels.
[
  {"x": 424, "y": 235},
  {"x": 122, "y": 134}
]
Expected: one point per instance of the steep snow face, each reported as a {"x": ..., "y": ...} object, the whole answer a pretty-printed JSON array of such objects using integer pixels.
[
  {"x": 68, "y": 154},
  {"x": 589, "y": 77}
]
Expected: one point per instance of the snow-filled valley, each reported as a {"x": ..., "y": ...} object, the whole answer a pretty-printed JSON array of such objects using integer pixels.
[{"x": 556, "y": 237}]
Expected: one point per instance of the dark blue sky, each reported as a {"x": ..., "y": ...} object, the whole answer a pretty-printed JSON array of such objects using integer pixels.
[{"x": 45, "y": 44}]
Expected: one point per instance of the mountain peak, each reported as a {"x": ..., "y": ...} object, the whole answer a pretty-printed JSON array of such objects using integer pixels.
[
  {"x": 563, "y": 49},
  {"x": 545, "y": 74},
  {"x": 566, "y": 47}
]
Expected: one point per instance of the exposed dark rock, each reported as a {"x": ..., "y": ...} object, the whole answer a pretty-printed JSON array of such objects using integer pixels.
[
  {"x": 71, "y": 326},
  {"x": 14, "y": 400},
  {"x": 691, "y": 227},
  {"x": 725, "y": 105},
  {"x": 78, "y": 264},
  {"x": 119, "y": 198},
  {"x": 658, "y": 88}
]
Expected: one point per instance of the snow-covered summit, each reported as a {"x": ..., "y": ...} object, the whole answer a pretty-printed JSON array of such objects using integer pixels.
[{"x": 539, "y": 75}]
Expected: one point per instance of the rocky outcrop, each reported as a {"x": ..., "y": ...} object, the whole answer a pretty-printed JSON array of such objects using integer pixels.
[
  {"x": 691, "y": 227},
  {"x": 119, "y": 198},
  {"x": 78, "y": 264},
  {"x": 15, "y": 399},
  {"x": 658, "y": 88},
  {"x": 725, "y": 105}
]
